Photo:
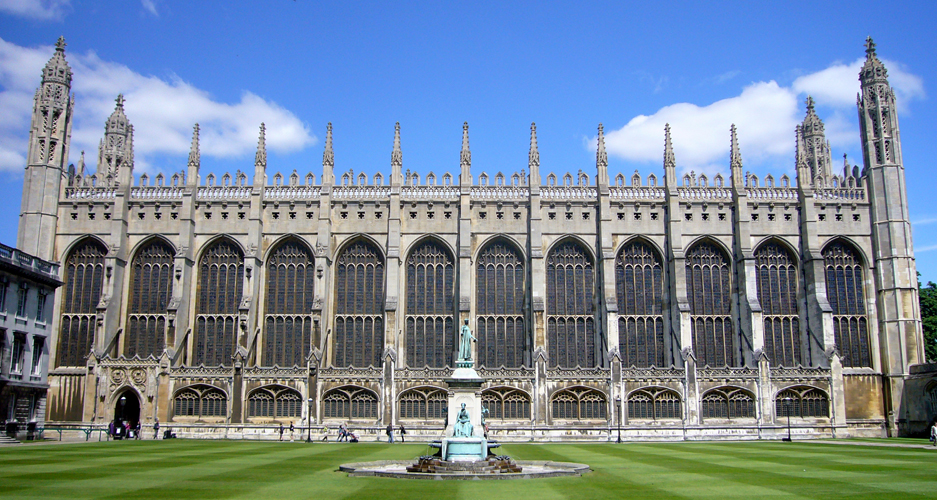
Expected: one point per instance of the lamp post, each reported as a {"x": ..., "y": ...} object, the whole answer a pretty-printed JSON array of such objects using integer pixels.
[
  {"x": 618, "y": 404},
  {"x": 123, "y": 401},
  {"x": 309, "y": 421},
  {"x": 787, "y": 406}
]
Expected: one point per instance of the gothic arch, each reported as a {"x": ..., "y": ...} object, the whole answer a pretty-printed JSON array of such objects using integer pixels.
[
  {"x": 148, "y": 240},
  {"x": 200, "y": 400},
  {"x": 579, "y": 403},
  {"x": 83, "y": 277},
  {"x": 565, "y": 238},
  {"x": 643, "y": 239},
  {"x": 723, "y": 247},
  {"x": 639, "y": 291},
  {"x": 283, "y": 239},
  {"x": 115, "y": 394},
  {"x": 430, "y": 303},
  {"x": 507, "y": 403},
  {"x": 847, "y": 241},
  {"x": 500, "y": 237},
  {"x": 350, "y": 402},
  {"x": 710, "y": 288},
  {"x": 780, "y": 241},
  {"x": 802, "y": 401},
  {"x": 354, "y": 238},
  {"x": 149, "y": 291},
  {"x": 359, "y": 277},
  {"x": 501, "y": 322},
  {"x": 274, "y": 401},
  {"x": 654, "y": 403},
  {"x": 210, "y": 242},
  {"x": 423, "y": 239},
  {"x": 572, "y": 336},
  {"x": 425, "y": 402},
  {"x": 289, "y": 293},
  {"x": 727, "y": 402},
  {"x": 80, "y": 240}
]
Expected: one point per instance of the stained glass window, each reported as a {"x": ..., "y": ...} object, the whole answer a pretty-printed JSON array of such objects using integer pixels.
[
  {"x": 359, "y": 306},
  {"x": 777, "y": 293},
  {"x": 500, "y": 287},
  {"x": 430, "y": 322},
  {"x": 846, "y": 294},
  {"x": 571, "y": 335},
  {"x": 84, "y": 278},
  {"x": 150, "y": 293},
  {"x": 220, "y": 287},
  {"x": 289, "y": 298},
  {"x": 639, "y": 285},
  {"x": 709, "y": 290}
]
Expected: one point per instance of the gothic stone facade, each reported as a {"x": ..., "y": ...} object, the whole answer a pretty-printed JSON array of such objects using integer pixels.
[{"x": 675, "y": 308}]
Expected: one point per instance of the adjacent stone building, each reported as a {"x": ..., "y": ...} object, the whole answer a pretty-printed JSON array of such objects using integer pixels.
[
  {"x": 675, "y": 308},
  {"x": 26, "y": 287}
]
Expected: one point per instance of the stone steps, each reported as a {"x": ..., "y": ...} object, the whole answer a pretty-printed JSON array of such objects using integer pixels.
[{"x": 4, "y": 439}]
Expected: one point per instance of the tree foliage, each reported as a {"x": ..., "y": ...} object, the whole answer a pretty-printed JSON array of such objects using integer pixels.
[{"x": 928, "y": 295}]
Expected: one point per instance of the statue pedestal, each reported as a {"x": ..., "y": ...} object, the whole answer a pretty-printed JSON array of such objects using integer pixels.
[{"x": 465, "y": 388}]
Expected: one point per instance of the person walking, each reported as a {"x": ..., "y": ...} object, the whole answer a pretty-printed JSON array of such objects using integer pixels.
[
  {"x": 402, "y": 432},
  {"x": 933, "y": 433},
  {"x": 291, "y": 431},
  {"x": 156, "y": 429},
  {"x": 281, "y": 431},
  {"x": 342, "y": 433},
  {"x": 390, "y": 433}
]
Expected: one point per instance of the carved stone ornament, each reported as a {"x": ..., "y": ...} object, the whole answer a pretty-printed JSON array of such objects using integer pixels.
[
  {"x": 138, "y": 376},
  {"x": 182, "y": 251},
  {"x": 118, "y": 376}
]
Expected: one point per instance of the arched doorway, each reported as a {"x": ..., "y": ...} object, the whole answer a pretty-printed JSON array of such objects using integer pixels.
[{"x": 127, "y": 408}]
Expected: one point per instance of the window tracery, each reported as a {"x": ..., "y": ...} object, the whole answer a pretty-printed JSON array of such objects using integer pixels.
[
  {"x": 150, "y": 293},
  {"x": 220, "y": 287},
  {"x": 579, "y": 404},
  {"x": 639, "y": 286},
  {"x": 289, "y": 299},
  {"x": 359, "y": 306},
  {"x": 350, "y": 402},
  {"x": 654, "y": 404},
  {"x": 846, "y": 294},
  {"x": 709, "y": 290},
  {"x": 424, "y": 403},
  {"x": 500, "y": 287},
  {"x": 802, "y": 402},
  {"x": 777, "y": 293},
  {"x": 275, "y": 402},
  {"x": 728, "y": 403},
  {"x": 571, "y": 335},
  {"x": 430, "y": 323},
  {"x": 505, "y": 403},
  {"x": 81, "y": 292},
  {"x": 200, "y": 401}
]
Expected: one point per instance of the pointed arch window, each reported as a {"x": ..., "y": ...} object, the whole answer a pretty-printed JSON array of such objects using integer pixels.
[
  {"x": 505, "y": 403},
  {"x": 275, "y": 402},
  {"x": 500, "y": 288},
  {"x": 777, "y": 293},
  {"x": 728, "y": 403},
  {"x": 359, "y": 306},
  {"x": 802, "y": 402},
  {"x": 220, "y": 287},
  {"x": 579, "y": 403},
  {"x": 709, "y": 289},
  {"x": 654, "y": 404},
  {"x": 639, "y": 285},
  {"x": 350, "y": 402},
  {"x": 846, "y": 293},
  {"x": 150, "y": 293},
  {"x": 289, "y": 299},
  {"x": 423, "y": 403},
  {"x": 84, "y": 278},
  {"x": 430, "y": 323},
  {"x": 571, "y": 335},
  {"x": 200, "y": 401}
]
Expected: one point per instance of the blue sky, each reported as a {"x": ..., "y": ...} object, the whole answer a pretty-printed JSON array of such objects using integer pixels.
[{"x": 298, "y": 65}]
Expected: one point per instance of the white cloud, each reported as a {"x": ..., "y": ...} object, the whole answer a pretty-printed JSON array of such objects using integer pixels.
[
  {"x": 928, "y": 248},
  {"x": 36, "y": 9},
  {"x": 765, "y": 113},
  {"x": 150, "y": 6},
  {"x": 162, "y": 111}
]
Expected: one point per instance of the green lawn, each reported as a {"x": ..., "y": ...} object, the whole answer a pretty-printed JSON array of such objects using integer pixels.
[{"x": 181, "y": 469}]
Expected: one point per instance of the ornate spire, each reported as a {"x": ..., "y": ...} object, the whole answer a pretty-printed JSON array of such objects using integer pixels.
[
  {"x": 814, "y": 147},
  {"x": 466, "y": 156},
  {"x": 533, "y": 158},
  {"x": 260, "y": 159},
  {"x": 736, "y": 156},
  {"x": 117, "y": 123},
  {"x": 194, "y": 155},
  {"x": 670, "y": 161},
  {"x": 601, "y": 157},
  {"x": 116, "y": 150},
  {"x": 396, "y": 156},
  {"x": 873, "y": 71},
  {"x": 57, "y": 70},
  {"x": 328, "y": 156}
]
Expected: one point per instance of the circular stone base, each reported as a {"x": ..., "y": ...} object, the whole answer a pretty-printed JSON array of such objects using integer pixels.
[{"x": 398, "y": 469}]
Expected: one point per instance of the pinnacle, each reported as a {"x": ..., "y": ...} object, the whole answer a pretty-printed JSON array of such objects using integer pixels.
[
  {"x": 869, "y": 48},
  {"x": 60, "y": 44}
]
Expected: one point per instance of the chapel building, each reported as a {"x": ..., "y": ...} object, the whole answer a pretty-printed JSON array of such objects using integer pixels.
[{"x": 669, "y": 307}]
